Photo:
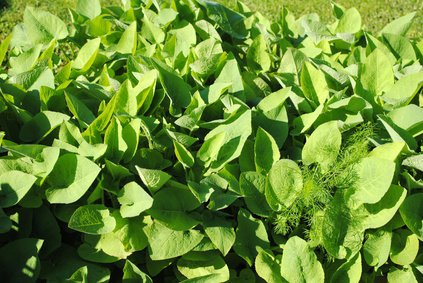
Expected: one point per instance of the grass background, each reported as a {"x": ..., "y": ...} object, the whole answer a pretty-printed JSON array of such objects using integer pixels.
[{"x": 375, "y": 13}]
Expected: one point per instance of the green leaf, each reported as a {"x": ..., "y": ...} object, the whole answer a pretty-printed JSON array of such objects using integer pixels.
[
  {"x": 42, "y": 27},
  {"x": 404, "y": 90},
  {"x": 224, "y": 143},
  {"x": 128, "y": 42},
  {"x": 165, "y": 243},
  {"x": 89, "y": 8},
  {"x": 323, "y": 146},
  {"x": 284, "y": 183},
  {"x": 87, "y": 55},
  {"x": 14, "y": 185},
  {"x": 268, "y": 268},
  {"x": 41, "y": 125},
  {"x": 251, "y": 236},
  {"x": 376, "y": 248},
  {"x": 402, "y": 275},
  {"x": 228, "y": 20},
  {"x": 349, "y": 271},
  {"x": 376, "y": 74},
  {"x": 253, "y": 187},
  {"x": 171, "y": 207},
  {"x": 299, "y": 263},
  {"x": 405, "y": 247},
  {"x": 204, "y": 264},
  {"x": 92, "y": 219},
  {"x": 266, "y": 151},
  {"x": 71, "y": 178},
  {"x": 412, "y": 214},
  {"x": 153, "y": 179},
  {"x": 134, "y": 200},
  {"x": 221, "y": 233},
  {"x": 399, "y": 26},
  {"x": 132, "y": 274},
  {"x": 257, "y": 57},
  {"x": 350, "y": 22},
  {"x": 19, "y": 261},
  {"x": 175, "y": 87},
  {"x": 374, "y": 177},
  {"x": 116, "y": 145},
  {"x": 183, "y": 155},
  {"x": 314, "y": 84}
]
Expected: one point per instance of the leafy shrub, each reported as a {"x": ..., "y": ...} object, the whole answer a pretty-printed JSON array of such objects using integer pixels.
[{"x": 185, "y": 141}]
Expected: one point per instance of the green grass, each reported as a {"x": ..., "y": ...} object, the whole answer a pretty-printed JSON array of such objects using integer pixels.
[{"x": 375, "y": 13}]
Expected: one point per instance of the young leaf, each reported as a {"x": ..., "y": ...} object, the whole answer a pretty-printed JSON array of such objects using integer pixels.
[
  {"x": 266, "y": 151},
  {"x": 14, "y": 185},
  {"x": 323, "y": 146},
  {"x": 134, "y": 200},
  {"x": 284, "y": 183},
  {"x": 299, "y": 263},
  {"x": 71, "y": 178},
  {"x": 92, "y": 219}
]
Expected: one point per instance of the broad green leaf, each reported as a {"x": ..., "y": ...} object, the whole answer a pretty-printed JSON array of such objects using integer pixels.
[
  {"x": 224, "y": 143},
  {"x": 79, "y": 109},
  {"x": 153, "y": 179},
  {"x": 401, "y": 275},
  {"x": 131, "y": 137},
  {"x": 71, "y": 178},
  {"x": 299, "y": 262},
  {"x": 165, "y": 243},
  {"x": 128, "y": 42},
  {"x": 399, "y": 26},
  {"x": 253, "y": 187},
  {"x": 4, "y": 47},
  {"x": 350, "y": 22},
  {"x": 266, "y": 151},
  {"x": 349, "y": 271},
  {"x": 14, "y": 185},
  {"x": 41, "y": 125},
  {"x": 378, "y": 214},
  {"x": 221, "y": 233},
  {"x": 230, "y": 74},
  {"x": 376, "y": 248},
  {"x": 374, "y": 177},
  {"x": 175, "y": 87},
  {"x": 131, "y": 273},
  {"x": 251, "y": 237},
  {"x": 87, "y": 55},
  {"x": 89, "y": 8},
  {"x": 284, "y": 183},
  {"x": 183, "y": 155},
  {"x": 323, "y": 145},
  {"x": 203, "y": 264},
  {"x": 313, "y": 84},
  {"x": 342, "y": 233},
  {"x": 401, "y": 47},
  {"x": 171, "y": 207},
  {"x": 405, "y": 247},
  {"x": 257, "y": 57},
  {"x": 42, "y": 27},
  {"x": 268, "y": 268},
  {"x": 412, "y": 214},
  {"x": 116, "y": 145},
  {"x": 92, "y": 219},
  {"x": 228, "y": 20},
  {"x": 376, "y": 74},
  {"x": 19, "y": 261},
  {"x": 409, "y": 118},
  {"x": 404, "y": 90},
  {"x": 134, "y": 200}
]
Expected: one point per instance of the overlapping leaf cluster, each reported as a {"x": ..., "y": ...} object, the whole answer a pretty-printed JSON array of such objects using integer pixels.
[{"x": 184, "y": 141}]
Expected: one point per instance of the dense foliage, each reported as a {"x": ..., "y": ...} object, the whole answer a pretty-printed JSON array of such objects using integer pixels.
[{"x": 184, "y": 141}]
